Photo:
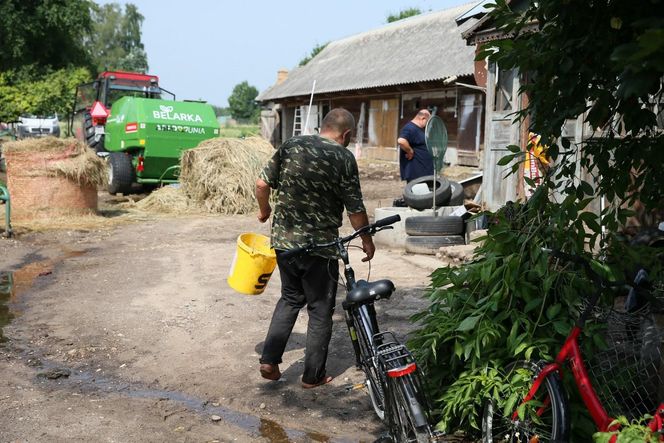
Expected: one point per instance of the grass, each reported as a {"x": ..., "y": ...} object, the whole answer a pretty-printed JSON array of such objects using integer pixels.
[{"x": 239, "y": 131}]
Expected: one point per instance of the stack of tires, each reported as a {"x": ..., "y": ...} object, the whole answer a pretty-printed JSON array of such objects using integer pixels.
[
  {"x": 448, "y": 193},
  {"x": 428, "y": 233}
]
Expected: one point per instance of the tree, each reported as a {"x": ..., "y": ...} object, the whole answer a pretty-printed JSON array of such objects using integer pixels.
[
  {"x": 314, "y": 52},
  {"x": 511, "y": 302},
  {"x": 44, "y": 34},
  {"x": 221, "y": 111},
  {"x": 51, "y": 93},
  {"x": 609, "y": 71},
  {"x": 115, "y": 43},
  {"x": 410, "y": 12},
  {"x": 242, "y": 102}
]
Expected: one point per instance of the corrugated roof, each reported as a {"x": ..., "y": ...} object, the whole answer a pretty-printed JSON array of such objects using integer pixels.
[{"x": 422, "y": 48}]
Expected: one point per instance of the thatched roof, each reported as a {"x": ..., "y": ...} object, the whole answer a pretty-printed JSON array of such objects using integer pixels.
[{"x": 426, "y": 47}]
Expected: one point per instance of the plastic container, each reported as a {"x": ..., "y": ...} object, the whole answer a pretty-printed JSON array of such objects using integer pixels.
[{"x": 252, "y": 265}]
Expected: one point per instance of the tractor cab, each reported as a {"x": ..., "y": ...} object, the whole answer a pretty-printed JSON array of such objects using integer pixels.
[{"x": 93, "y": 102}]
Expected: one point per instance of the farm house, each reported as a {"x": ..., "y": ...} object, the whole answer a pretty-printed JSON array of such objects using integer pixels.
[{"x": 383, "y": 77}]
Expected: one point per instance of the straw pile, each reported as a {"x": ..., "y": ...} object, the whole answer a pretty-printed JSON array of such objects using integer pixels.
[
  {"x": 220, "y": 174},
  {"x": 169, "y": 200},
  {"x": 59, "y": 157}
]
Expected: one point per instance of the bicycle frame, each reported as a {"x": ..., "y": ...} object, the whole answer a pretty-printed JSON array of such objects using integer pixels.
[
  {"x": 366, "y": 312},
  {"x": 572, "y": 353}
]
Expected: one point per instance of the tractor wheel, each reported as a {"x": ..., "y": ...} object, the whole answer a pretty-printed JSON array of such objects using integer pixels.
[
  {"x": 89, "y": 130},
  {"x": 120, "y": 174}
]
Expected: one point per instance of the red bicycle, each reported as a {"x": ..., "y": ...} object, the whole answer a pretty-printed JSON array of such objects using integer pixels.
[{"x": 628, "y": 377}]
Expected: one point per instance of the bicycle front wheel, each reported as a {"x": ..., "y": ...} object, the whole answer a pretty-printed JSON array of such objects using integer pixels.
[
  {"x": 407, "y": 419},
  {"x": 545, "y": 417}
]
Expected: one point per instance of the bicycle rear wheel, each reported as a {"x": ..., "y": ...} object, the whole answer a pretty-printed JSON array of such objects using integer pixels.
[
  {"x": 545, "y": 417},
  {"x": 406, "y": 416}
]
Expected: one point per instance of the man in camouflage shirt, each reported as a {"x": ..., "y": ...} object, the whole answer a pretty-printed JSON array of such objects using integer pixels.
[{"x": 315, "y": 177}]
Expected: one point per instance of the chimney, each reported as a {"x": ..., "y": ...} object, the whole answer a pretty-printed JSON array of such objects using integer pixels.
[{"x": 282, "y": 75}]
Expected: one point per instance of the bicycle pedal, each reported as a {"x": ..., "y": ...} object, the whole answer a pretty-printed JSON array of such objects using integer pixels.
[{"x": 354, "y": 387}]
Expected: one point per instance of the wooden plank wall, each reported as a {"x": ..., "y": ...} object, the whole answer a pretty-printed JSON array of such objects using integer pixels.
[{"x": 499, "y": 132}]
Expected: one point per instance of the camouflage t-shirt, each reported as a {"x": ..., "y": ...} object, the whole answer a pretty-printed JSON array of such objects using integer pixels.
[{"x": 314, "y": 179}]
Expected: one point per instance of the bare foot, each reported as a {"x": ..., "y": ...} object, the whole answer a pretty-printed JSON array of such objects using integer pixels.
[
  {"x": 325, "y": 380},
  {"x": 270, "y": 372}
]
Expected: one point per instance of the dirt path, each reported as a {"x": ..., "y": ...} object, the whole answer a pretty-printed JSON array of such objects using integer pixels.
[{"x": 157, "y": 347}]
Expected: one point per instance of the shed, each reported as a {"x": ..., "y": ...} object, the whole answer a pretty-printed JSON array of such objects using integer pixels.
[
  {"x": 502, "y": 102},
  {"x": 383, "y": 77}
]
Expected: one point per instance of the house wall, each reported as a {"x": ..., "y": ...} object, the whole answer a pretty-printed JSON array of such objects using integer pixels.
[
  {"x": 385, "y": 114},
  {"x": 497, "y": 186}
]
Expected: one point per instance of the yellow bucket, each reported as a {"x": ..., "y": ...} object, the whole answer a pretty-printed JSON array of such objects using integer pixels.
[{"x": 252, "y": 265}]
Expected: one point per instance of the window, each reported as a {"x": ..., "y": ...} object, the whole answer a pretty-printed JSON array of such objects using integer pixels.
[{"x": 504, "y": 96}]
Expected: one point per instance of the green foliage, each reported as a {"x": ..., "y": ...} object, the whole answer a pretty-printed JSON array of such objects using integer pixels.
[
  {"x": 220, "y": 111},
  {"x": 48, "y": 94},
  {"x": 505, "y": 305},
  {"x": 513, "y": 302},
  {"x": 410, "y": 12},
  {"x": 242, "y": 102},
  {"x": 608, "y": 69},
  {"x": 115, "y": 42},
  {"x": 636, "y": 431},
  {"x": 44, "y": 33},
  {"x": 314, "y": 52},
  {"x": 239, "y": 131}
]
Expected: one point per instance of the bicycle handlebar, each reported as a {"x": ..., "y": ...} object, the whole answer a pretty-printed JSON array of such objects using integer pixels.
[{"x": 370, "y": 229}]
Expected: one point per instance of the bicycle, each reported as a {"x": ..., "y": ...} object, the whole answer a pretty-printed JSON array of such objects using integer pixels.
[
  {"x": 393, "y": 379},
  {"x": 548, "y": 418}
]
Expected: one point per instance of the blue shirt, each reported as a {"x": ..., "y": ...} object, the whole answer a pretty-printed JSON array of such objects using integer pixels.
[{"x": 422, "y": 162}]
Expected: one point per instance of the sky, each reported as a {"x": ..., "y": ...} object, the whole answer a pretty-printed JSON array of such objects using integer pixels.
[{"x": 201, "y": 49}]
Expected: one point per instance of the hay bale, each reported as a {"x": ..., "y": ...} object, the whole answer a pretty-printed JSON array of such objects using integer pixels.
[
  {"x": 169, "y": 200},
  {"x": 50, "y": 177},
  {"x": 220, "y": 174},
  {"x": 53, "y": 157}
]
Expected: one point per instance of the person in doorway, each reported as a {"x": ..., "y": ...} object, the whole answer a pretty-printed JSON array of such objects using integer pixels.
[
  {"x": 315, "y": 177},
  {"x": 415, "y": 160}
]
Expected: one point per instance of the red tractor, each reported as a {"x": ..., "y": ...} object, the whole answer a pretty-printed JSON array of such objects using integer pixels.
[{"x": 93, "y": 102}]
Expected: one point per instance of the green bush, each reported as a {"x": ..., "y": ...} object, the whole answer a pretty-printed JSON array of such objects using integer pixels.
[
  {"x": 512, "y": 302},
  {"x": 636, "y": 431},
  {"x": 50, "y": 93},
  {"x": 239, "y": 131}
]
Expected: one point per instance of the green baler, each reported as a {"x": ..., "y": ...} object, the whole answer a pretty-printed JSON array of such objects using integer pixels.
[{"x": 146, "y": 137}]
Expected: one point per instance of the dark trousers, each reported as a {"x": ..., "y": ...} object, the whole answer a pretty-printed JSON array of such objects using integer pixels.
[{"x": 311, "y": 281}]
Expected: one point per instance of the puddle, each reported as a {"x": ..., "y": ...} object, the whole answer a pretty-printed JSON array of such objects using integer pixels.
[
  {"x": 13, "y": 284},
  {"x": 269, "y": 430}
]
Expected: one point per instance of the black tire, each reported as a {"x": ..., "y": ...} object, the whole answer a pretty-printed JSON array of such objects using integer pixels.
[
  {"x": 89, "y": 130},
  {"x": 431, "y": 244},
  {"x": 438, "y": 225},
  {"x": 553, "y": 424},
  {"x": 404, "y": 407},
  {"x": 456, "y": 197},
  {"x": 121, "y": 173},
  {"x": 374, "y": 380},
  {"x": 425, "y": 201}
]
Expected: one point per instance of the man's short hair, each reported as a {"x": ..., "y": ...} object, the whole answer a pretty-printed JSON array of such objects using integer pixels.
[
  {"x": 423, "y": 113},
  {"x": 338, "y": 120}
]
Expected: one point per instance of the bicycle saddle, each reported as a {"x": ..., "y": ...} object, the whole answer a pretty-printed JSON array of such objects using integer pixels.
[{"x": 370, "y": 291}]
